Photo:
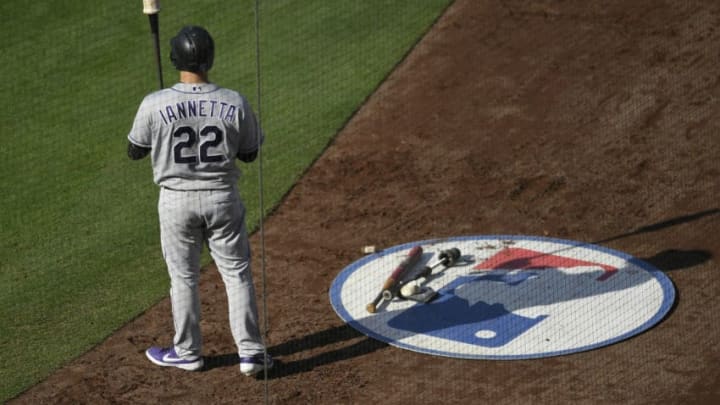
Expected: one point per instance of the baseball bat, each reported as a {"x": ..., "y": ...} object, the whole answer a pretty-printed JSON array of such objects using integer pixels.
[
  {"x": 411, "y": 260},
  {"x": 152, "y": 8}
]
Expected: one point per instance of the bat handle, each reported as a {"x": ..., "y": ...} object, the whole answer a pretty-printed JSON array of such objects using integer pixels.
[
  {"x": 155, "y": 31},
  {"x": 372, "y": 307}
]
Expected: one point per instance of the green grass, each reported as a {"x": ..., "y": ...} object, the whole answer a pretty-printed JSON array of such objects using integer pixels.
[{"x": 79, "y": 248}]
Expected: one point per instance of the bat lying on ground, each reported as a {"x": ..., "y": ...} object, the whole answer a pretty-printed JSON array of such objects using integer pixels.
[
  {"x": 392, "y": 282},
  {"x": 409, "y": 274}
]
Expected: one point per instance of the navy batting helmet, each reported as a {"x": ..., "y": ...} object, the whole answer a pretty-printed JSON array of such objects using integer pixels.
[{"x": 192, "y": 50}]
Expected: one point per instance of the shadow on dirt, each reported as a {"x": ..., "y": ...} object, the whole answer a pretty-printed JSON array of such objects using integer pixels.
[
  {"x": 324, "y": 338},
  {"x": 673, "y": 259},
  {"x": 363, "y": 346}
]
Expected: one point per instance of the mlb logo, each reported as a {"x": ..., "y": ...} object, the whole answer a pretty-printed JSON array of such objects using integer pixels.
[{"x": 518, "y": 297}]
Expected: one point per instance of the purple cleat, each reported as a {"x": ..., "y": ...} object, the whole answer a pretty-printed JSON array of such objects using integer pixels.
[{"x": 167, "y": 357}]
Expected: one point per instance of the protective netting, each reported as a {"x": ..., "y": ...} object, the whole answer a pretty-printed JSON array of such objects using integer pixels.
[{"x": 568, "y": 149}]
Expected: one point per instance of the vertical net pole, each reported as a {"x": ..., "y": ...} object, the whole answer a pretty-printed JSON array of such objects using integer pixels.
[{"x": 261, "y": 203}]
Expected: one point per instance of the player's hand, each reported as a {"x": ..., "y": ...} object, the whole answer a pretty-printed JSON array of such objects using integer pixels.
[{"x": 135, "y": 152}]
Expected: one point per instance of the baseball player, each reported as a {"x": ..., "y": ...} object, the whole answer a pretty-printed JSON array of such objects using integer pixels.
[{"x": 193, "y": 133}]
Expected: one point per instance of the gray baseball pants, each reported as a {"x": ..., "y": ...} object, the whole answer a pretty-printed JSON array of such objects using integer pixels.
[{"x": 188, "y": 220}]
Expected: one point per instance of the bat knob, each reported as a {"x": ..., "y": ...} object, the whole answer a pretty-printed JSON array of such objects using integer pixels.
[
  {"x": 371, "y": 308},
  {"x": 450, "y": 256},
  {"x": 151, "y": 7}
]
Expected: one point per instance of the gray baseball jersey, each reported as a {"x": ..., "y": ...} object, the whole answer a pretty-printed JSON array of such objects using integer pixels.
[{"x": 195, "y": 132}]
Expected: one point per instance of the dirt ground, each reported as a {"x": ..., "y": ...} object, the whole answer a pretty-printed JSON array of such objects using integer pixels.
[{"x": 591, "y": 121}]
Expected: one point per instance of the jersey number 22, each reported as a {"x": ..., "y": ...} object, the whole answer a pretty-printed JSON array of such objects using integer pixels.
[{"x": 184, "y": 151}]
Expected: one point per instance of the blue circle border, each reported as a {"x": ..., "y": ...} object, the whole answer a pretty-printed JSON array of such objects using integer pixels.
[{"x": 665, "y": 283}]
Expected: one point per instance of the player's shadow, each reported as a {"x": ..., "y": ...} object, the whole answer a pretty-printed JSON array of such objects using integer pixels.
[{"x": 329, "y": 337}]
